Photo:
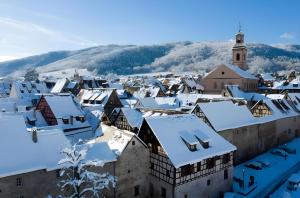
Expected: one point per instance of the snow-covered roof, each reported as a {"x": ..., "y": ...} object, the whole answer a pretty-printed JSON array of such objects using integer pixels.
[
  {"x": 240, "y": 72},
  {"x": 170, "y": 130},
  {"x": 236, "y": 92},
  {"x": 27, "y": 89},
  {"x": 133, "y": 116},
  {"x": 192, "y": 99},
  {"x": 193, "y": 84},
  {"x": 237, "y": 70},
  {"x": 60, "y": 85},
  {"x": 269, "y": 100},
  {"x": 295, "y": 97},
  {"x": 282, "y": 85},
  {"x": 227, "y": 115},
  {"x": 21, "y": 153},
  {"x": 100, "y": 151},
  {"x": 268, "y": 77},
  {"x": 148, "y": 102},
  {"x": 167, "y": 102},
  {"x": 63, "y": 106},
  {"x": 99, "y": 95},
  {"x": 119, "y": 141}
]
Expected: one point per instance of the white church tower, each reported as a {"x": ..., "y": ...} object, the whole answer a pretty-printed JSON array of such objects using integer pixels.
[{"x": 239, "y": 51}]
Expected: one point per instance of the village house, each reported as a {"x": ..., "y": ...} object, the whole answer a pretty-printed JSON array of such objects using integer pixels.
[
  {"x": 22, "y": 170},
  {"x": 105, "y": 100},
  {"x": 64, "y": 85},
  {"x": 62, "y": 110},
  {"x": 277, "y": 122},
  {"x": 132, "y": 165},
  {"x": 187, "y": 158},
  {"x": 129, "y": 119},
  {"x": 29, "y": 91},
  {"x": 190, "y": 85}
]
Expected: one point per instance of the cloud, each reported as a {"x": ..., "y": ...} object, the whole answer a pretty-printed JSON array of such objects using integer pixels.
[
  {"x": 35, "y": 28},
  {"x": 19, "y": 38},
  {"x": 287, "y": 35}
]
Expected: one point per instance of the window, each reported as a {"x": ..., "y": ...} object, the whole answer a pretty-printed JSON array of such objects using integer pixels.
[
  {"x": 19, "y": 181},
  {"x": 208, "y": 182},
  {"x": 187, "y": 170},
  {"x": 198, "y": 166},
  {"x": 210, "y": 163},
  {"x": 65, "y": 120},
  {"x": 152, "y": 166},
  {"x": 168, "y": 173},
  {"x": 133, "y": 143},
  {"x": 226, "y": 158},
  {"x": 238, "y": 56},
  {"x": 185, "y": 196},
  {"x": 193, "y": 147},
  {"x": 225, "y": 174},
  {"x": 163, "y": 192},
  {"x": 223, "y": 73},
  {"x": 136, "y": 190},
  {"x": 20, "y": 196}
]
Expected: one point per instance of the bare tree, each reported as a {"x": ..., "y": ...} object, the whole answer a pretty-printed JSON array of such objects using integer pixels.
[{"x": 78, "y": 180}]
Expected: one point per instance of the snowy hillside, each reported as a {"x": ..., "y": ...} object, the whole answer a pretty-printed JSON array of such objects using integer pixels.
[{"x": 181, "y": 56}]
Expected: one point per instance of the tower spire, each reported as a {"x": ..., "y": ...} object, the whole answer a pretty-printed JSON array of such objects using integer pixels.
[{"x": 240, "y": 27}]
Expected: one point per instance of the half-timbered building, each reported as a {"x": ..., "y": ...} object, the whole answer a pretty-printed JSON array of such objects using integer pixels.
[
  {"x": 127, "y": 119},
  {"x": 104, "y": 99},
  {"x": 187, "y": 158},
  {"x": 64, "y": 111}
]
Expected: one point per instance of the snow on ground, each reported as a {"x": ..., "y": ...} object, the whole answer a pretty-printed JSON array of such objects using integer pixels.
[
  {"x": 66, "y": 73},
  {"x": 268, "y": 178}
]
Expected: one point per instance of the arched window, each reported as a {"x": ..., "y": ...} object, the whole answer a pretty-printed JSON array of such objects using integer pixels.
[{"x": 238, "y": 56}]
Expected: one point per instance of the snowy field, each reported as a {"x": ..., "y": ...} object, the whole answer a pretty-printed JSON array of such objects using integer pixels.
[{"x": 270, "y": 177}]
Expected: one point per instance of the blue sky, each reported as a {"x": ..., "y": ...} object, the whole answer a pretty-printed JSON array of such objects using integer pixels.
[{"x": 30, "y": 27}]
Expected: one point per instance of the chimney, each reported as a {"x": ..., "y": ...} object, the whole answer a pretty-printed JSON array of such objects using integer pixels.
[{"x": 34, "y": 135}]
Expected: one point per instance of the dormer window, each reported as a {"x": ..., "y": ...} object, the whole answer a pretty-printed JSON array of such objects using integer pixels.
[
  {"x": 65, "y": 120},
  {"x": 80, "y": 118},
  {"x": 190, "y": 141},
  {"x": 193, "y": 147}
]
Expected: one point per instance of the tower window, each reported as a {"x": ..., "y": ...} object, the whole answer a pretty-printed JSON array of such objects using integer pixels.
[{"x": 238, "y": 57}]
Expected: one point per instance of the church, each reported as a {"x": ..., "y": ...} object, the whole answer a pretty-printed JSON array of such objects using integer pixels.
[{"x": 232, "y": 74}]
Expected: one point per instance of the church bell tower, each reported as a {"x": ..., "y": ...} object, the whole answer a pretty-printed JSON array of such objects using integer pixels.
[{"x": 239, "y": 51}]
